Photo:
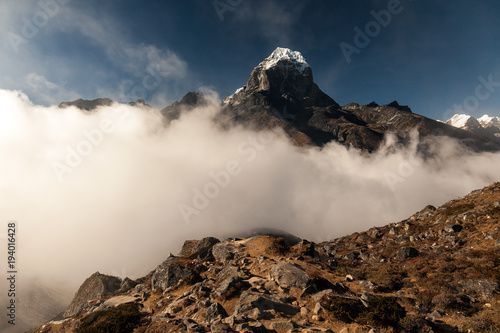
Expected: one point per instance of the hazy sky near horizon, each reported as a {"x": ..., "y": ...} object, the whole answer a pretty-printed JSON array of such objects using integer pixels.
[{"x": 425, "y": 54}]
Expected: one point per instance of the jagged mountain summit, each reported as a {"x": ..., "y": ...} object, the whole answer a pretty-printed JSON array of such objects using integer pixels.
[
  {"x": 436, "y": 271},
  {"x": 281, "y": 93},
  {"x": 487, "y": 121},
  {"x": 485, "y": 126}
]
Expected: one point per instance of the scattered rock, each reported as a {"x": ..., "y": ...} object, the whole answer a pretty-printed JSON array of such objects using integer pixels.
[
  {"x": 289, "y": 275},
  {"x": 282, "y": 326},
  {"x": 406, "y": 253},
  {"x": 485, "y": 288},
  {"x": 228, "y": 287},
  {"x": 250, "y": 300},
  {"x": 215, "y": 311}
]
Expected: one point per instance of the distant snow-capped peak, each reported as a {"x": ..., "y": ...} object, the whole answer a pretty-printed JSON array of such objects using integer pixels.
[
  {"x": 486, "y": 121},
  {"x": 460, "y": 120},
  {"x": 282, "y": 53}
]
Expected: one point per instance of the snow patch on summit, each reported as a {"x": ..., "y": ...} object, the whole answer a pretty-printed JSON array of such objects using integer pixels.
[
  {"x": 282, "y": 53},
  {"x": 459, "y": 120},
  {"x": 489, "y": 121}
]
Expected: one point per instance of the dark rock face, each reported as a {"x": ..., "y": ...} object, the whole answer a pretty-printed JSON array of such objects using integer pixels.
[
  {"x": 140, "y": 103},
  {"x": 200, "y": 249},
  {"x": 87, "y": 105},
  {"x": 96, "y": 286},
  {"x": 187, "y": 103},
  {"x": 170, "y": 273},
  {"x": 285, "y": 96},
  {"x": 406, "y": 253}
]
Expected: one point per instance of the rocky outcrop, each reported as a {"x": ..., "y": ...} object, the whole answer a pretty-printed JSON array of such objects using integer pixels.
[
  {"x": 187, "y": 103},
  {"x": 436, "y": 270},
  {"x": 281, "y": 93},
  {"x": 171, "y": 273},
  {"x": 87, "y": 105},
  {"x": 96, "y": 286},
  {"x": 198, "y": 249}
]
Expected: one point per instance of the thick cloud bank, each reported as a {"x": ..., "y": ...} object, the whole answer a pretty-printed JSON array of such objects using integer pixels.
[{"x": 116, "y": 190}]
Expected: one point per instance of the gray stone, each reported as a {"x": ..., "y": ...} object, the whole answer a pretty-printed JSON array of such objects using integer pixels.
[
  {"x": 215, "y": 311},
  {"x": 317, "y": 308},
  {"x": 170, "y": 273},
  {"x": 288, "y": 275},
  {"x": 223, "y": 252},
  {"x": 228, "y": 287},
  {"x": 127, "y": 284},
  {"x": 368, "y": 285},
  {"x": 282, "y": 326},
  {"x": 250, "y": 300},
  {"x": 406, "y": 253},
  {"x": 231, "y": 271},
  {"x": 96, "y": 286},
  {"x": 198, "y": 249}
]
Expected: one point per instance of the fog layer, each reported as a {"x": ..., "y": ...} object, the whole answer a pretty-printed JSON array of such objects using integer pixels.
[{"x": 116, "y": 190}]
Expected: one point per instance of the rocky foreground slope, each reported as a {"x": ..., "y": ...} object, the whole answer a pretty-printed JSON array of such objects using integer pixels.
[{"x": 437, "y": 271}]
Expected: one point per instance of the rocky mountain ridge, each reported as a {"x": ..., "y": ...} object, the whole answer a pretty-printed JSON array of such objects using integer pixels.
[
  {"x": 486, "y": 126},
  {"x": 437, "y": 271},
  {"x": 281, "y": 93}
]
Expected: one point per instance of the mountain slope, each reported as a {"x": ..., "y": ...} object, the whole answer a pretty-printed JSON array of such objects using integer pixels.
[
  {"x": 437, "y": 271},
  {"x": 281, "y": 93},
  {"x": 486, "y": 126}
]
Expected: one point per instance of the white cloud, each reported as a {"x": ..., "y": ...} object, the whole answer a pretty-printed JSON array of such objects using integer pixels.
[
  {"x": 138, "y": 59},
  {"x": 48, "y": 92},
  {"x": 118, "y": 204}
]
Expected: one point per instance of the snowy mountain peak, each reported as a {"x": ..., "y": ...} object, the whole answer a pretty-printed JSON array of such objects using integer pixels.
[
  {"x": 486, "y": 121},
  {"x": 285, "y": 54},
  {"x": 459, "y": 120}
]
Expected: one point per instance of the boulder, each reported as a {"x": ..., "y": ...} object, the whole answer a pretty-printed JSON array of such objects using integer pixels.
[
  {"x": 223, "y": 252},
  {"x": 170, "y": 273},
  {"x": 406, "y": 253},
  {"x": 228, "y": 287},
  {"x": 198, "y": 249},
  {"x": 127, "y": 284},
  {"x": 215, "y": 311},
  {"x": 289, "y": 275},
  {"x": 231, "y": 271},
  {"x": 96, "y": 286}
]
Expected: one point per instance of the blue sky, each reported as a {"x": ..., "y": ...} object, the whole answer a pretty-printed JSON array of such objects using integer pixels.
[{"x": 429, "y": 56}]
